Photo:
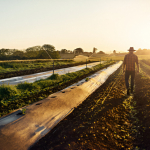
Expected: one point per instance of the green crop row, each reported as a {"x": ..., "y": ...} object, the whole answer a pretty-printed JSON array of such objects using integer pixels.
[
  {"x": 27, "y": 65},
  {"x": 12, "y": 69},
  {"x": 14, "y": 97}
]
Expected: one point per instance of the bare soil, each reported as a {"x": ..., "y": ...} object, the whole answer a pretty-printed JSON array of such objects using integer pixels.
[{"x": 106, "y": 120}]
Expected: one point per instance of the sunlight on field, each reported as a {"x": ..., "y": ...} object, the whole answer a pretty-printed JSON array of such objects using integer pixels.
[
  {"x": 80, "y": 58},
  {"x": 143, "y": 57},
  {"x": 106, "y": 58},
  {"x": 121, "y": 57}
]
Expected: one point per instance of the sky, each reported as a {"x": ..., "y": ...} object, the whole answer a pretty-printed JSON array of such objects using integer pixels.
[{"x": 69, "y": 24}]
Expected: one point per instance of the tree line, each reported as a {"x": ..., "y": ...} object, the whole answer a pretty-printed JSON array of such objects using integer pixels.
[
  {"x": 46, "y": 51},
  {"x": 143, "y": 51}
]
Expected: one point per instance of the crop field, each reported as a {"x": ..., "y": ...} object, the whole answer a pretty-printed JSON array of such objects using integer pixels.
[
  {"x": 107, "y": 119},
  {"x": 18, "y": 67},
  {"x": 25, "y": 67},
  {"x": 15, "y": 96}
]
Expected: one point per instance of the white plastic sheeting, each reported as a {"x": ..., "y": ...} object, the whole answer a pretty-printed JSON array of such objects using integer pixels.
[
  {"x": 42, "y": 116},
  {"x": 43, "y": 75}
]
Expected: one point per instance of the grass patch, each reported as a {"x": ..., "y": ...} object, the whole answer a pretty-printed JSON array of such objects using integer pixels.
[
  {"x": 27, "y": 86},
  {"x": 7, "y": 91}
]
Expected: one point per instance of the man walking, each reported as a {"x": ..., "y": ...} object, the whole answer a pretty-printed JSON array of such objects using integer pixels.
[{"x": 129, "y": 68}]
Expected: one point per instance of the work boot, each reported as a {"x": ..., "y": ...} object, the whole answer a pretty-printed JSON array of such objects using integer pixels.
[{"x": 128, "y": 92}]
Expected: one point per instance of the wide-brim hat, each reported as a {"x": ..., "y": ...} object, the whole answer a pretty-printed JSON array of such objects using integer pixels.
[{"x": 131, "y": 49}]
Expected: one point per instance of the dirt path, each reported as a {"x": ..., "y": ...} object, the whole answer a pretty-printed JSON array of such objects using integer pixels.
[{"x": 106, "y": 120}]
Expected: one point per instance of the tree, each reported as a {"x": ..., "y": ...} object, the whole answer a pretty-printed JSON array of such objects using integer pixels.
[
  {"x": 4, "y": 51},
  {"x": 64, "y": 51},
  {"x": 78, "y": 51},
  {"x": 34, "y": 48},
  {"x": 45, "y": 55},
  {"x": 94, "y": 50},
  {"x": 18, "y": 54},
  {"x": 5, "y": 54},
  {"x": 48, "y": 47},
  {"x": 114, "y": 51},
  {"x": 142, "y": 52},
  {"x": 69, "y": 51},
  {"x": 45, "y": 52},
  {"x": 32, "y": 52},
  {"x": 55, "y": 55},
  {"x": 101, "y": 52}
]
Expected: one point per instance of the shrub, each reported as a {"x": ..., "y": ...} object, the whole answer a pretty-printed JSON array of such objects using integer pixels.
[
  {"x": 7, "y": 91},
  {"x": 54, "y": 77},
  {"x": 45, "y": 83},
  {"x": 27, "y": 86}
]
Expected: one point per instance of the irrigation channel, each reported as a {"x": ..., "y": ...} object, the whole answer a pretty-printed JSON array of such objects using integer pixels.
[
  {"x": 43, "y": 75},
  {"x": 41, "y": 117}
]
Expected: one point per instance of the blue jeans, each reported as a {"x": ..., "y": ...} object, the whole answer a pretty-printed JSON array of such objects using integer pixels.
[{"x": 127, "y": 74}]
